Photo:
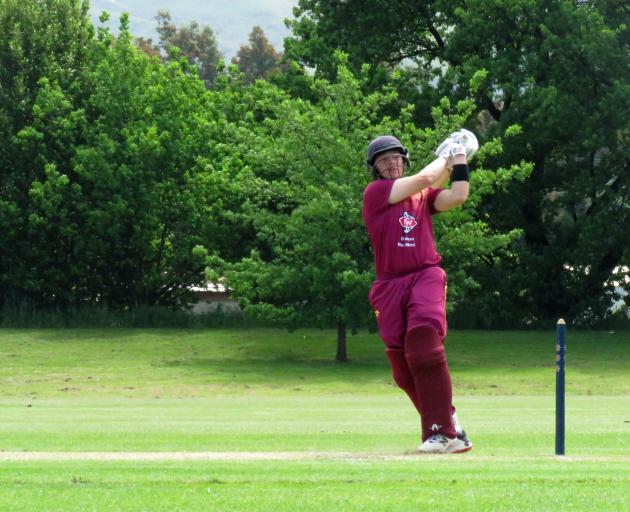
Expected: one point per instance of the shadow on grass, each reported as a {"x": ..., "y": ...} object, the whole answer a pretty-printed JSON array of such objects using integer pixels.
[{"x": 283, "y": 371}]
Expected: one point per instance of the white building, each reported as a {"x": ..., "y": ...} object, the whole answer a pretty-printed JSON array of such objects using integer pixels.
[{"x": 211, "y": 297}]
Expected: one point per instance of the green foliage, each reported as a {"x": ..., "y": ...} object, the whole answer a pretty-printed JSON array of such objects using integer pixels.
[
  {"x": 129, "y": 215},
  {"x": 41, "y": 40},
  {"x": 25, "y": 315},
  {"x": 559, "y": 72},
  {"x": 124, "y": 176},
  {"x": 107, "y": 190},
  {"x": 311, "y": 263},
  {"x": 382, "y": 33}
]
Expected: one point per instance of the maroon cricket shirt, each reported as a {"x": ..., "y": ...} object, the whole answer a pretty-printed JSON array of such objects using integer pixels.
[{"x": 402, "y": 233}]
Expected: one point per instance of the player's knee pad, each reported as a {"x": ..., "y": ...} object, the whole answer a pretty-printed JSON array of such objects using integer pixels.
[
  {"x": 424, "y": 348},
  {"x": 400, "y": 368}
]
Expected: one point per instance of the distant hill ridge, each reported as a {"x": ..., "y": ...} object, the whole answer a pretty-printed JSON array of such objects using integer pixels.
[{"x": 231, "y": 21}]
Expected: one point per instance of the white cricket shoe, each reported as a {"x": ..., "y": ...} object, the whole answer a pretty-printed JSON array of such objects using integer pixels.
[
  {"x": 468, "y": 139},
  {"x": 439, "y": 443},
  {"x": 461, "y": 433}
]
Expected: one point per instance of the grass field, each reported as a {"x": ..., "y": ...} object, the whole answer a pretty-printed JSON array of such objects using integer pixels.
[{"x": 266, "y": 420}]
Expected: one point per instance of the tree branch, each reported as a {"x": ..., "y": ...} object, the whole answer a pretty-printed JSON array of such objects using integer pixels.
[
  {"x": 492, "y": 108},
  {"x": 436, "y": 36}
]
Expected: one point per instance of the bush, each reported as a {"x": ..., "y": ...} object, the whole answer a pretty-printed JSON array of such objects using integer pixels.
[{"x": 26, "y": 315}]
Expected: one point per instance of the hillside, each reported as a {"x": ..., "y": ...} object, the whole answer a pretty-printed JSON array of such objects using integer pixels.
[{"x": 231, "y": 21}]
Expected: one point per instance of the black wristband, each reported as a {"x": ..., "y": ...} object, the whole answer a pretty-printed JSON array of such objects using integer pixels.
[{"x": 460, "y": 173}]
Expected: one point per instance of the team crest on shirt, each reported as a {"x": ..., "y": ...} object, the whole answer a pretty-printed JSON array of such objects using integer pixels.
[{"x": 408, "y": 222}]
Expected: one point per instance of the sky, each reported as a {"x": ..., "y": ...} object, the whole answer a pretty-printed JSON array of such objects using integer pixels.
[{"x": 231, "y": 21}]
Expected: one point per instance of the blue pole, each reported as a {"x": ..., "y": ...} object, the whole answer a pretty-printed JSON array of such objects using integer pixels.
[{"x": 561, "y": 346}]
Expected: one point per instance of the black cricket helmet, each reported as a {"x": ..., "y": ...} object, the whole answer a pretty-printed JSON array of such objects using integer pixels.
[{"x": 382, "y": 144}]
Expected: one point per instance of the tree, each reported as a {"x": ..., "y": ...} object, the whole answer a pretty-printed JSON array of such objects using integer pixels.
[
  {"x": 40, "y": 39},
  {"x": 372, "y": 31},
  {"x": 109, "y": 208},
  {"x": 259, "y": 59},
  {"x": 312, "y": 263},
  {"x": 147, "y": 46},
  {"x": 118, "y": 171},
  {"x": 559, "y": 70},
  {"x": 197, "y": 44}
]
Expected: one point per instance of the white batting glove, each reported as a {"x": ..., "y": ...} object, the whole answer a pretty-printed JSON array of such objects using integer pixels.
[
  {"x": 442, "y": 148},
  {"x": 448, "y": 149},
  {"x": 468, "y": 139}
]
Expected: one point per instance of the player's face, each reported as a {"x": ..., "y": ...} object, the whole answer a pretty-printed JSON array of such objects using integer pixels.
[{"x": 390, "y": 165}]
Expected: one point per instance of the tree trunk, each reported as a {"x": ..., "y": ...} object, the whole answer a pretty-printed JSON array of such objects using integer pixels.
[{"x": 342, "y": 355}]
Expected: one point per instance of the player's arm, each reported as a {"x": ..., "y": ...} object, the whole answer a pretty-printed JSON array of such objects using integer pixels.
[
  {"x": 458, "y": 193},
  {"x": 442, "y": 179},
  {"x": 409, "y": 185}
]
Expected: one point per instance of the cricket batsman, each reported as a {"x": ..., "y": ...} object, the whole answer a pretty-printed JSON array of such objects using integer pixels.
[{"x": 409, "y": 293}]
